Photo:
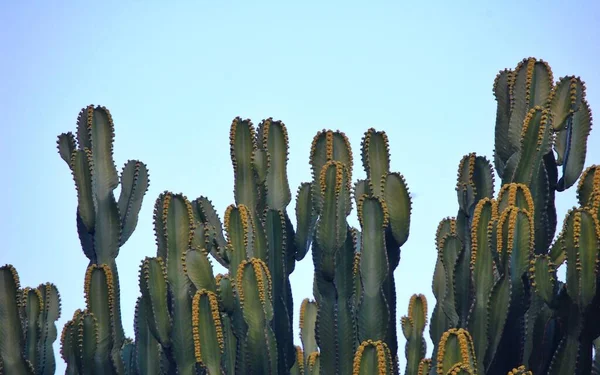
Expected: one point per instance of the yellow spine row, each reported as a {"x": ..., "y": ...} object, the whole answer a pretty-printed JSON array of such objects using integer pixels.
[
  {"x": 383, "y": 356},
  {"x": 411, "y": 306},
  {"x": 465, "y": 342},
  {"x": 386, "y": 215},
  {"x": 521, "y": 370},
  {"x": 475, "y": 225},
  {"x": 216, "y": 317},
  {"x": 424, "y": 366}
]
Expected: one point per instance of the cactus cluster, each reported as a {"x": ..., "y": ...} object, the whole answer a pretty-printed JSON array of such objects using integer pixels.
[
  {"x": 27, "y": 325},
  {"x": 500, "y": 307}
]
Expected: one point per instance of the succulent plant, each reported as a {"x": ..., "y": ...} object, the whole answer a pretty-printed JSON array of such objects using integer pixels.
[
  {"x": 27, "y": 325},
  {"x": 496, "y": 274},
  {"x": 500, "y": 307}
]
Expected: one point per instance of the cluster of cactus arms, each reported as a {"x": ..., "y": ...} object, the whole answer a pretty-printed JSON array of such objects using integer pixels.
[
  {"x": 190, "y": 321},
  {"x": 93, "y": 340},
  {"x": 500, "y": 306},
  {"x": 27, "y": 326}
]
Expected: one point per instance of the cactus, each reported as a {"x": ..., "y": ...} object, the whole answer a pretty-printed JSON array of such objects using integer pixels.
[
  {"x": 27, "y": 325},
  {"x": 500, "y": 308},
  {"x": 496, "y": 274}
]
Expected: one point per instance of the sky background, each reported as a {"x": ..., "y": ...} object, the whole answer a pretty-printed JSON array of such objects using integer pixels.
[{"x": 174, "y": 75}]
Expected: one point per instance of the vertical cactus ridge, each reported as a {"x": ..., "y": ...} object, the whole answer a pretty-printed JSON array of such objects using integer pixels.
[
  {"x": 581, "y": 244},
  {"x": 240, "y": 232},
  {"x": 413, "y": 326},
  {"x": 242, "y": 141},
  {"x": 275, "y": 142},
  {"x": 543, "y": 277},
  {"x": 375, "y": 155},
  {"x": 571, "y": 146},
  {"x": 306, "y": 219},
  {"x": 206, "y": 214},
  {"x": 134, "y": 185},
  {"x": 399, "y": 204},
  {"x": 154, "y": 290},
  {"x": 566, "y": 98},
  {"x": 12, "y": 340},
  {"x": 147, "y": 347},
  {"x": 588, "y": 189},
  {"x": 331, "y": 227},
  {"x": 207, "y": 329},
  {"x": 372, "y": 357},
  {"x": 536, "y": 132},
  {"x": 475, "y": 181},
  {"x": 307, "y": 323},
  {"x": 328, "y": 146}
]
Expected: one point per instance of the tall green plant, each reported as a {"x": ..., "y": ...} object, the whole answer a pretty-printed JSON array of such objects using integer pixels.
[
  {"x": 27, "y": 325},
  {"x": 500, "y": 308},
  {"x": 495, "y": 278}
]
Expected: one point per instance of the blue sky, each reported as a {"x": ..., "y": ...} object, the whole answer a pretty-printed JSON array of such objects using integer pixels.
[{"x": 175, "y": 74}]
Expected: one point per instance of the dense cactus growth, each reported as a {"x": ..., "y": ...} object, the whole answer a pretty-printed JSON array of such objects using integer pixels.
[
  {"x": 496, "y": 274},
  {"x": 499, "y": 309},
  {"x": 27, "y": 325},
  {"x": 94, "y": 338}
]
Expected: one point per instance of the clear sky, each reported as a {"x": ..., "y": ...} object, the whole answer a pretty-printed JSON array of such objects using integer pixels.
[{"x": 174, "y": 75}]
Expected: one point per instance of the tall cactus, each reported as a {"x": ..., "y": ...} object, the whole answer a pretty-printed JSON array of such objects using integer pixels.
[
  {"x": 27, "y": 325},
  {"x": 500, "y": 308},
  {"x": 104, "y": 224},
  {"x": 495, "y": 277}
]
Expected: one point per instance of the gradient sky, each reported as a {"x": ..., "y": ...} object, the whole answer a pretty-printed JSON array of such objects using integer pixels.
[{"x": 174, "y": 75}]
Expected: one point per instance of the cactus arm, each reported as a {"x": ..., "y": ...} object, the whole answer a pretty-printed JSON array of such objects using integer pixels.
[
  {"x": 581, "y": 244},
  {"x": 571, "y": 145},
  {"x": 373, "y": 311},
  {"x": 100, "y": 296},
  {"x": 306, "y": 219},
  {"x": 134, "y": 185},
  {"x": 308, "y": 320},
  {"x": 372, "y": 357},
  {"x": 178, "y": 224},
  {"x": 82, "y": 169},
  {"x": 275, "y": 142},
  {"x": 536, "y": 131},
  {"x": 240, "y": 232},
  {"x": 499, "y": 303},
  {"x": 254, "y": 285},
  {"x": 208, "y": 331},
  {"x": 11, "y": 340},
  {"x": 532, "y": 86},
  {"x": 375, "y": 156},
  {"x": 128, "y": 357},
  {"x": 503, "y": 148},
  {"x": 399, "y": 205},
  {"x": 483, "y": 273},
  {"x": 49, "y": 314},
  {"x": 147, "y": 347},
  {"x": 328, "y": 146},
  {"x": 456, "y": 347},
  {"x": 242, "y": 140},
  {"x": 205, "y": 213},
  {"x": 154, "y": 290},
  {"x": 413, "y": 326},
  {"x": 275, "y": 226},
  {"x": 30, "y": 309},
  {"x": 66, "y": 145}
]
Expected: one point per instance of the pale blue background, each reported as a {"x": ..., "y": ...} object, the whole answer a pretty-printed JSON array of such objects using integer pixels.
[{"x": 174, "y": 75}]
